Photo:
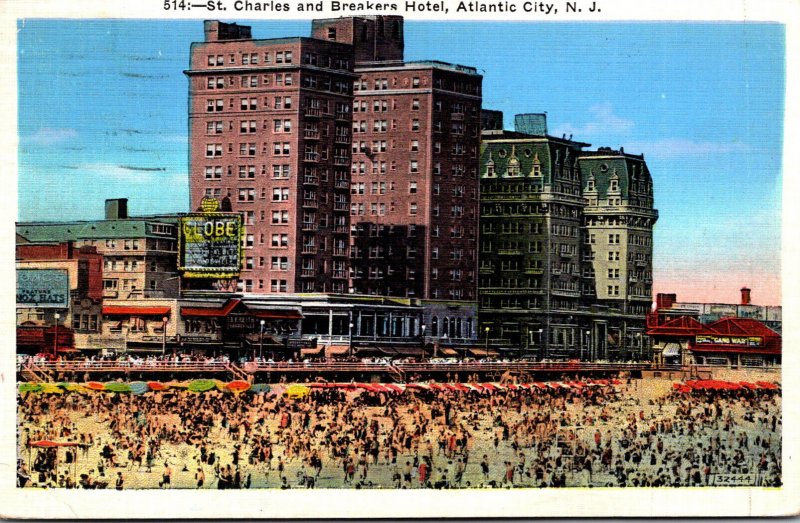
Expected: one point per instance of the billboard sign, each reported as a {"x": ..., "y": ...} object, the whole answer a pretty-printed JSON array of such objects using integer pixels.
[
  {"x": 734, "y": 341},
  {"x": 42, "y": 288},
  {"x": 211, "y": 245}
]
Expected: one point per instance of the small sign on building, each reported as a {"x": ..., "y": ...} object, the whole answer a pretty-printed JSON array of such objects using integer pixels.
[
  {"x": 210, "y": 245},
  {"x": 42, "y": 288}
]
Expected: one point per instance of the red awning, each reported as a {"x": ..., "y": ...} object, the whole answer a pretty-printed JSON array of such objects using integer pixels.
[
  {"x": 278, "y": 315},
  {"x": 213, "y": 312},
  {"x": 131, "y": 310}
]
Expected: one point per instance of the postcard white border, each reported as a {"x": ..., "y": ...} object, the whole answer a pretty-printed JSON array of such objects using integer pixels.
[{"x": 399, "y": 503}]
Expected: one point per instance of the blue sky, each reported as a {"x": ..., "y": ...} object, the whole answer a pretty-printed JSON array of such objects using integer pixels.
[{"x": 102, "y": 114}]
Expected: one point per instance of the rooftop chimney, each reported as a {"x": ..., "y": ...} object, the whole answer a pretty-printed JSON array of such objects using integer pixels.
[
  {"x": 117, "y": 209},
  {"x": 531, "y": 123},
  {"x": 665, "y": 301},
  {"x": 745, "y": 296}
]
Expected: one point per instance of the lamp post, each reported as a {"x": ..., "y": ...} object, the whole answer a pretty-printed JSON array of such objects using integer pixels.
[
  {"x": 261, "y": 340},
  {"x": 55, "y": 338},
  {"x": 164, "y": 321},
  {"x": 350, "y": 336},
  {"x": 486, "y": 348},
  {"x": 422, "y": 338},
  {"x": 444, "y": 338},
  {"x": 586, "y": 341},
  {"x": 541, "y": 346}
]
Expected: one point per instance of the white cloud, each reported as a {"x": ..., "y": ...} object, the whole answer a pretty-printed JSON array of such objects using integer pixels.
[
  {"x": 130, "y": 174},
  {"x": 50, "y": 136},
  {"x": 603, "y": 123}
]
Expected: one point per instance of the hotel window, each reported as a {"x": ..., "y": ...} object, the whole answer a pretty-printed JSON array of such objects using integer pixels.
[
  {"x": 247, "y": 171},
  {"x": 280, "y": 240},
  {"x": 213, "y": 150},
  {"x": 247, "y": 195},
  {"x": 280, "y": 194},
  {"x": 213, "y": 172},
  {"x": 412, "y": 209},
  {"x": 415, "y": 104},
  {"x": 414, "y": 145},
  {"x": 280, "y": 217},
  {"x": 415, "y": 82},
  {"x": 412, "y": 187},
  {"x": 280, "y": 263},
  {"x": 415, "y": 125},
  {"x": 278, "y": 286},
  {"x": 282, "y": 126},
  {"x": 214, "y": 127},
  {"x": 414, "y": 166}
]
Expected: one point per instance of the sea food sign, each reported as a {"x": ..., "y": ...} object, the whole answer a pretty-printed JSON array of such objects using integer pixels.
[
  {"x": 42, "y": 288},
  {"x": 211, "y": 245},
  {"x": 733, "y": 341}
]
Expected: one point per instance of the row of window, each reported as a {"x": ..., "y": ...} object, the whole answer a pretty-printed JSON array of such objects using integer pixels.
[
  {"x": 281, "y": 57},
  {"x": 416, "y": 82},
  {"x": 217, "y": 105}
]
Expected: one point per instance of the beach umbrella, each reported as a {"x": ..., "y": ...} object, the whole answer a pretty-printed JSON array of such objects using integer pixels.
[
  {"x": 138, "y": 387},
  {"x": 418, "y": 386},
  {"x": 767, "y": 385},
  {"x": 396, "y": 387},
  {"x": 237, "y": 386},
  {"x": 748, "y": 385},
  {"x": 51, "y": 388},
  {"x": 76, "y": 387},
  {"x": 499, "y": 386},
  {"x": 156, "y": 385},
  {"x": 201, "y": 385},
  {"x": 95, "y": 385},
  {"x": 260, "y": 388},
  {"x": 297, "y": 391},
  {"x": 114, "y": 386},
  {"x": 30, "y": 387}
]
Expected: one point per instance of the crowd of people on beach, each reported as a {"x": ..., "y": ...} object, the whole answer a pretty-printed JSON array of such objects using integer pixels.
[{"x": 627, "y": 435}]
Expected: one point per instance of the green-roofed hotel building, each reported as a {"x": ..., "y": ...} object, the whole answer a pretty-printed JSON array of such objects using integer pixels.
[{"x": 565, "y": 256}]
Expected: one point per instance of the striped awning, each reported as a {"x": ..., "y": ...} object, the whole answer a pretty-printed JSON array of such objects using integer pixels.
[
  {"x": 131, "y": 310},
  {"x": 672, "y": 349}
]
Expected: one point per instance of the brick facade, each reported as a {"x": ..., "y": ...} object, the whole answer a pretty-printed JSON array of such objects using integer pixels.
[{"x": 269, "y": 124}]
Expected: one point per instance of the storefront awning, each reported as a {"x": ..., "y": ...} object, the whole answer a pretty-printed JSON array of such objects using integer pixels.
[
  {"x": 131, "y": 310},
  {"x": 483, "y": 353},
  {"x": 672, "y": 349},
  {"x": 278, "y": 315},
  {"x": 210, "y": 312},
  {"x": 312, "y": 351},
  {"x": 337, "y": 350},
  {"x": 447, "y": 352}
]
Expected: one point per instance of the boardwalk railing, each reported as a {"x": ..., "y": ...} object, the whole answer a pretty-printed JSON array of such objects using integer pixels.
[{"x": 393, "y": 370}]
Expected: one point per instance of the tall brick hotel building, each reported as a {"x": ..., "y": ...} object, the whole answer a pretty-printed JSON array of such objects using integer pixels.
[{"x": 356, "y": 172}]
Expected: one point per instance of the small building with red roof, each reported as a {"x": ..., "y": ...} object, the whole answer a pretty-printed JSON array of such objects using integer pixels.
[{"x": 732, "y": 342}]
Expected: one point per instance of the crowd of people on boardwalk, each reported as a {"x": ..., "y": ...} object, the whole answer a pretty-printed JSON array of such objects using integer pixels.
[{"x": 598, "y": 436}]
